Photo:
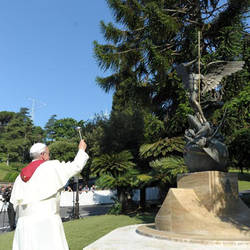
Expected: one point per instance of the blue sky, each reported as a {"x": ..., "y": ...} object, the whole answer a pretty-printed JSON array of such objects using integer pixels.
[
  {"x": 46, "y": 55},
  {"x": 46, "y": 58}
]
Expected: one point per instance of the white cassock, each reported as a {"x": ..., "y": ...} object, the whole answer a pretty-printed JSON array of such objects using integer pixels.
[{"x": 39, "y": 226}]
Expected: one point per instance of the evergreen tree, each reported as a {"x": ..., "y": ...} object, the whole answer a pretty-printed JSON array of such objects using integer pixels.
[
  {"x": 123, "y": 131},
  {"x": 151, "y": 38},
  {"x": 63, "y": 150},
  {"x": 62, "y": 129},
  {"x": 236, "y": 97},
  {"x": 154, "y": 36},
  {"x": 49, "y": 128},
  {"x": 17, "y": 135}
]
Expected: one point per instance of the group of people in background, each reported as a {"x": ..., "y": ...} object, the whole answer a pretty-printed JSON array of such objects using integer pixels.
[
  {"x": 5, "y": 187},
  {"x": 81, "y": 188},
  {"x": 5, "y": 192},
  {"x": 86, "y": 188}
]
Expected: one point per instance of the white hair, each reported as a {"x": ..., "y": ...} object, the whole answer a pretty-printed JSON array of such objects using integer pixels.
[{"x": 37, "y": 149}]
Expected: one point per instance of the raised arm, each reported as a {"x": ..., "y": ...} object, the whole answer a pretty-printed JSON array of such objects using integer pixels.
[{"x": 69, "y": 169}]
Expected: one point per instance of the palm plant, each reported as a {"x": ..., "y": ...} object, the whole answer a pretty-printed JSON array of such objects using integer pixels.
[
  {"x": 116, "y": 171},
  {"x": 166, "y": 162}
]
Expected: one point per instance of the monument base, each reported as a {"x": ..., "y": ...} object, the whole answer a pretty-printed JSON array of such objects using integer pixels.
[{"x": 204, "y": 208}]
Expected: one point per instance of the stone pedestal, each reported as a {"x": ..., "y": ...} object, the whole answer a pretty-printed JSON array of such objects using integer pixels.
[{"x": 205, "y": 206}]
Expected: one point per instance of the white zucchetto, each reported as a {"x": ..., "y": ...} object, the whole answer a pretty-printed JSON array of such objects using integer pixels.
[{"x": 37, "y": 148}]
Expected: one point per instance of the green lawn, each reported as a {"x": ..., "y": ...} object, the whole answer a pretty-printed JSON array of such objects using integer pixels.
[
  {"x": 243, "y": 179},
  {"x": 82, "y": 232},
  {"x": 244, "y": 185}
]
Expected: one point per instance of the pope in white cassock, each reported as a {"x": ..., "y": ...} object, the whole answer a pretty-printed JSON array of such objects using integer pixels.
[{"x": 36, "y": 198}]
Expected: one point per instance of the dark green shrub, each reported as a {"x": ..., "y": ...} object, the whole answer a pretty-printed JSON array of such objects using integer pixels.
[{"x": 116, "y": 208}]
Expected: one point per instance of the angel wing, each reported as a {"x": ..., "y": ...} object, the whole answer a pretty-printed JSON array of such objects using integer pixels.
[
  {"x": 182, "y": 70},
  {"x": 219, "y": 69}
]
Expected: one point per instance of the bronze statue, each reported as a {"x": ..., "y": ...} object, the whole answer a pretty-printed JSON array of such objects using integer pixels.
[{"x": 204, "y": 149}]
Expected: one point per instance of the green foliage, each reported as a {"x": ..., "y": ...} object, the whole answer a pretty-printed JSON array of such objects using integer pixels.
[
  {"x": 4, "y": 166},
  {"x": 239, "y": 148},
  {"x": 16, "y": 166},
  {"x": 116, "y": 171},
  {"x": 114, "y": 164},
  {"x": 13, "y": 176},
  {"x": 155, "y": 35},
  {"x": 123, "y": 131},
  {"x": 153, "y": 127},
  {"x": 166, "y": 169},
  {"x": 116, "y": 208},
  {"x": 105, "y": 181},
  {"x": 49, "y": 128},
  {"x": 141, "y": 53},
  {"x": 3, "y": 171},
  {"x": 10, "y": 176},
  {"x": 243, "y": 179},
  {"x": 229, "y": 41},
  {"x": 178, "y": 122},
  {"x": 5, "y": 117},
  {"x": 17, "y": 135},
  {"x": 149, "y": 101},
  {"x": 9, "y": 173},
  {"x": 145, "y": 178},
  {"x": 63, "y": 150},
  {"x": 63, "y": 129},
  {"x": 166, "y": 161},
  {"x": 135, "y": 53},
  {"x": 94, "y": 132},
  {"x": 162, "y": 147},
  {"x": 237, "y": 107},
  {"x": 7, "y": 176},
  {"x": 238, "y": 111}
]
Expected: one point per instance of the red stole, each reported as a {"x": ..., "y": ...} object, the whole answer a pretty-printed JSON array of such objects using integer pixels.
[{"x": 29, "y": 170}]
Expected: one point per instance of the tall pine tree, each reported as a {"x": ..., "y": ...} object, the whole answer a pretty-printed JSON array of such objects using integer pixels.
[{"x": 150, "y": 38}]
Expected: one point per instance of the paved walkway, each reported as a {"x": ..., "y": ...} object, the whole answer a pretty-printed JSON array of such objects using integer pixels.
[{"x": 126, "y": 238}]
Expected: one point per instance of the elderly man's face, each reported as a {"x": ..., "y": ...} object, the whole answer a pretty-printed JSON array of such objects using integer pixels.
[{"x": 45, "y": 155}]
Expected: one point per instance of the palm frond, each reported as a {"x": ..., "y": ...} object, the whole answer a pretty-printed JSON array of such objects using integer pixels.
[
  {"x": 166, "y": 169},
  {"x": 162, "y": 147}
]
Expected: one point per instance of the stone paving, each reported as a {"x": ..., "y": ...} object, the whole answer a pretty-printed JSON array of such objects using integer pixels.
[{"x": 126, "y": 238}]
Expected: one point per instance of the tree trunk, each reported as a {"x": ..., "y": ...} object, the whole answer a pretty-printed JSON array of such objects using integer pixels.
[
  {"x": 7, "y": 162},
  {"x": 122, "y": 198}
]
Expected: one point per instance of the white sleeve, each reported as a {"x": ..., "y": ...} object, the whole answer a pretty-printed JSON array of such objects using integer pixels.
[{"x": 69, "y": 169}]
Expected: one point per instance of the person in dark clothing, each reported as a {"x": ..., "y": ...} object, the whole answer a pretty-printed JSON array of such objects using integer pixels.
[{"x": 10, "y": 210}]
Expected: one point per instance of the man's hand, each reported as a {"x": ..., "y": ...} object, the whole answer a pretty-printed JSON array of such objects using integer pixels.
[{"x": 82, "y": 145}]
